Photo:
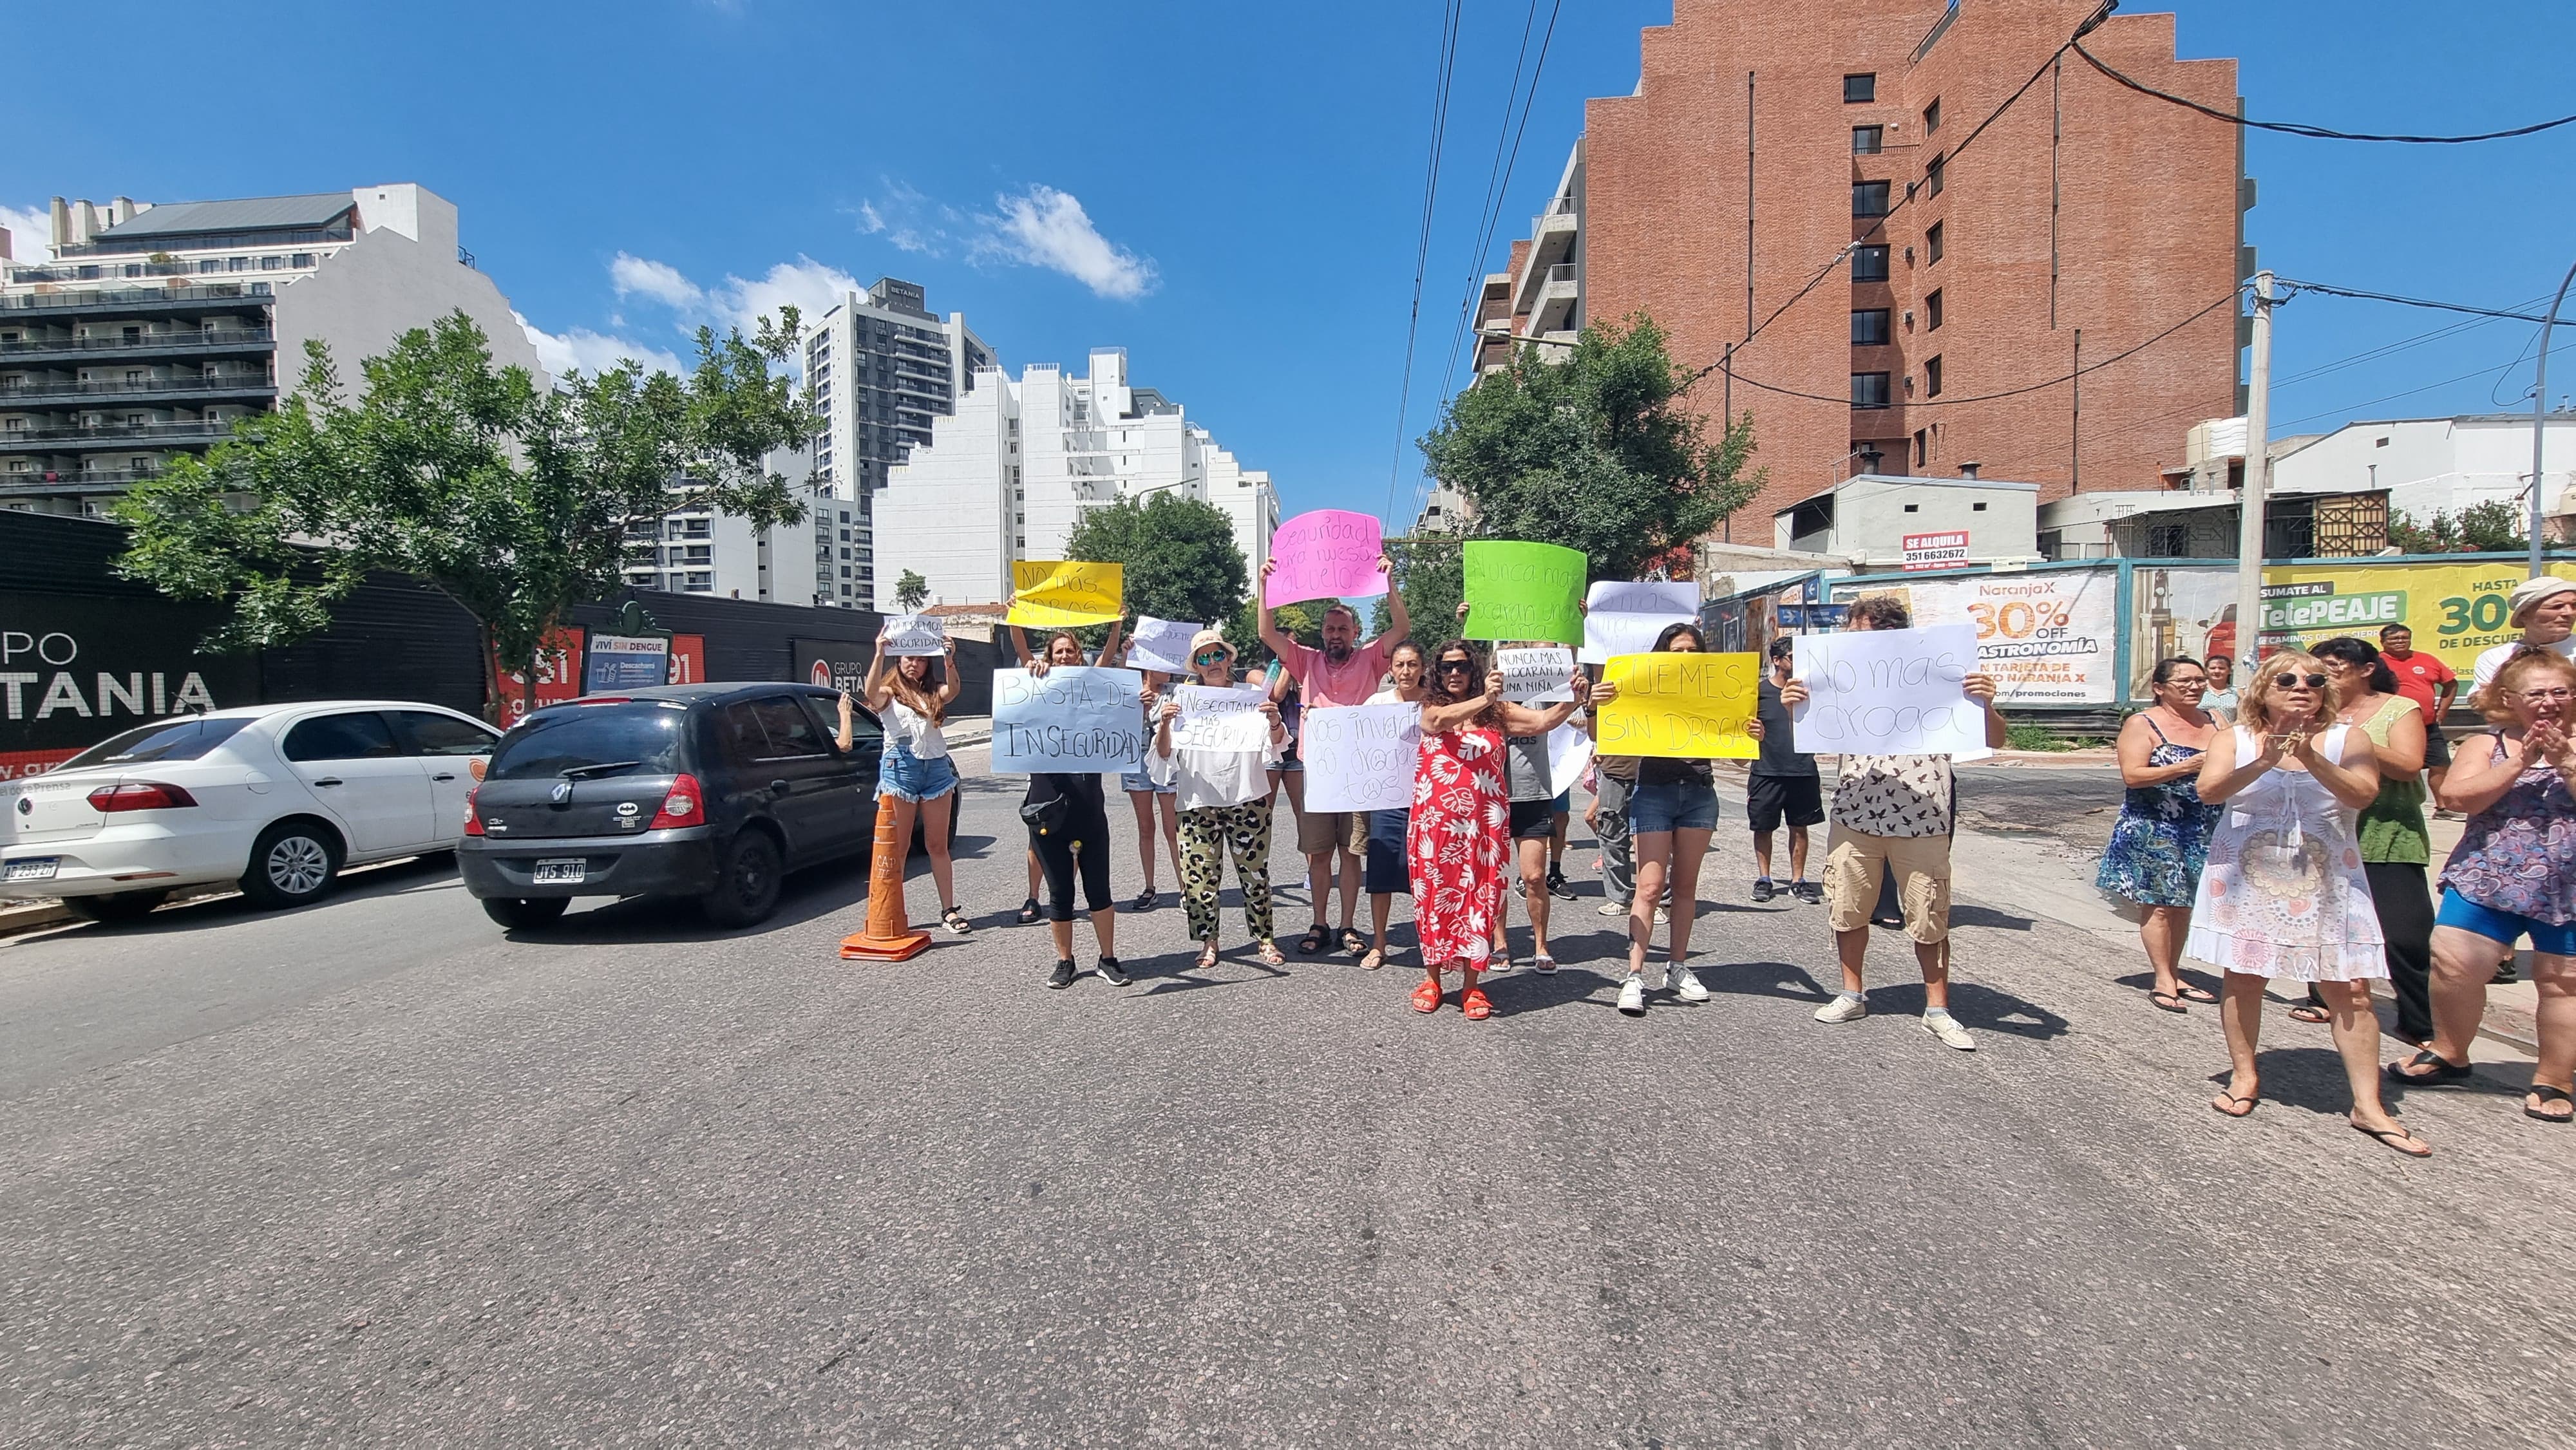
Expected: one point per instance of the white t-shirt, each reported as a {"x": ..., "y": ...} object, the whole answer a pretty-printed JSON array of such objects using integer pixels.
[
  {"x": 2493, "y": 660},
  {"x": 912, "y": 730}
]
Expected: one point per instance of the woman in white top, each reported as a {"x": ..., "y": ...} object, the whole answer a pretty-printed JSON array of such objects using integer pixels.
[
  {"x": 1225, "y": 807},
  {"x": 1385, "y": 871},
  {"x": 915, "y": 771},
  {"x": 2284, "y": 895}
]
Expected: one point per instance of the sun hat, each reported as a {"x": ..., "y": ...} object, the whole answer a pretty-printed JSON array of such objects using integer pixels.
[
  {"x": 2528, "y": 594},
  {"x": 1205, "y": 638}
]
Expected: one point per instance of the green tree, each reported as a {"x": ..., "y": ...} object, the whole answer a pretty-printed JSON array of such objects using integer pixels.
[
  {"x": 1598, "y": 451},
  {"x": 1302, "y": 622},
  {"x": 911, "y": 591},
  {"x": 1179, "y": 554},
  {"x": 1430, "y": 573},
  {"x": 516, "y": 502}
]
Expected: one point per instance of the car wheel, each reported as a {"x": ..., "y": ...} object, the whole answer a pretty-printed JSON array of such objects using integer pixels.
[
  {"x": 292, "y": 863},
  {"x": 121, "y": 906},
  {"x": 525, "y": 912},
  {"x": 747, "y": 882}
]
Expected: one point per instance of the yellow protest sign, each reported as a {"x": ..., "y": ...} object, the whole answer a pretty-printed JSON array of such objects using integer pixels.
[
  {"x": 1056, "y": 594},
  {"x": 1682, "y": 706}
]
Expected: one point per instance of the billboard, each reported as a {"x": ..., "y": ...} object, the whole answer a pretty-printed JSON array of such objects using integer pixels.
[
  {"x": 77, "y": 669},
  {"x": 2049, "y": 638}
]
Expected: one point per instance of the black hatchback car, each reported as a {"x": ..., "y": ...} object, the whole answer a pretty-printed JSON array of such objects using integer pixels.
[{"x": 711, "y": 791}]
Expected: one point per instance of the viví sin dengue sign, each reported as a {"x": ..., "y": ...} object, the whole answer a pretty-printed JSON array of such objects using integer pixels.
[
  {"x": 1073, "y": 720},
  {"x": 1059, "y": 594},
  {"x": 1325, "y": 554},
  {"x": 1524, "y": 591},
  {"x": 1682, "y": 706}
]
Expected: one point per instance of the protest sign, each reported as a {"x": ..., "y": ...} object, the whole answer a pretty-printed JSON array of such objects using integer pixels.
[
  {"x": 1361, "y": 757},
  {"x": 1524, "y": 591},
  {"x": 1681, "y": 706},
  {"x": 1889, "y": 692},
  {"x": 1568, "y": 751},
  {"x": 1161, "y": 644},
  {"x": 1540, "y": 676},
  {"x": 1624, "y": 618},
  {"x": 1325, "y": 554},
  {"x": 1221, "y": 717},
  {"x": 1056, "y": 595},
  {"x": 915, "y": 634},
  {"x": 1074, "y": 719}
]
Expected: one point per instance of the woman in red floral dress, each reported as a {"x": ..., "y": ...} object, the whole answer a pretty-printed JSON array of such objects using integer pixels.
[{"x": 1457, "y": 846}]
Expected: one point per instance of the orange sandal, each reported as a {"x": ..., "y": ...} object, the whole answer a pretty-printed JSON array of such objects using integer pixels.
[
  {"x": 1426, "y": 998},
  {"x": 1476, "y": 1004}
]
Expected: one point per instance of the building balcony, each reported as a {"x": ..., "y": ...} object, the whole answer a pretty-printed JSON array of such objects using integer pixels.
[
  {"x": 142, "y": 301},
  {"x": 1558, "y": 301},
  {"x": 1552, "y": 239},
  {"x": 56, "y": 484},
  {"x": 197, "y": 433},
  {"x": 191, "y": 390},
  {"x": 223, "y": 342}
]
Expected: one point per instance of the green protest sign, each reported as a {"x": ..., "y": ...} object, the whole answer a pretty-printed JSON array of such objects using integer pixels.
[{"x": 1524, "y": 591}]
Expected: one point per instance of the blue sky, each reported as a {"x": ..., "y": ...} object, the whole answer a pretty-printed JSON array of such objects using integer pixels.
[{"x": 1231, "y": 192}]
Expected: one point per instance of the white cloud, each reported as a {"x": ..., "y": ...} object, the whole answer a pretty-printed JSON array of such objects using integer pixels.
[
  {"x": 658, "y": 280},
  {"x": 1044, "y": 227},
  {"x": 593, "y": 353},
  {"x": 31, "y": 232},
  {"x": 909, "y": 220},
  {"x": 810, "y": 286}
]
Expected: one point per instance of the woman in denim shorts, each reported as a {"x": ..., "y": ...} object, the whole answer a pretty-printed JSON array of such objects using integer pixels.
[
  {"x": 915, "y": 771},
  {"x": 1670, "y": 815}
]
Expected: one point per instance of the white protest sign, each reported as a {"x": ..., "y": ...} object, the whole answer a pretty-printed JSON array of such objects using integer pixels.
[
  {"x": 1220, "y": 717},
  {"x": 915, "y": 634},
  {"x": 1624, "y": 618},
  {"x": 1073, "y": 720},
  {"x": 1889, "y": 692},
  {"x": 1161, "y": 644},
  {"x": 1361, "y": 757},
  {"x": 1568, "y": 751},
  {"x": 1538, "y": 676}
]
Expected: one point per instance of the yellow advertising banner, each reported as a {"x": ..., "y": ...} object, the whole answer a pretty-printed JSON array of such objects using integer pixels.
[
  {"x": 1058, "y": 594},
  {"x": 1681, "y": 706}
]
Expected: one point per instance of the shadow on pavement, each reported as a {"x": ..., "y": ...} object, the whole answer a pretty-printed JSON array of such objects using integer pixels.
[
  {"x": 1783, "y": 980},
  {"x": 433, "y": 872},
  {"x": 1964, "y": 914},
  {"x": 1978, "y": 1007},
  {"x": 804, "y": 896}
]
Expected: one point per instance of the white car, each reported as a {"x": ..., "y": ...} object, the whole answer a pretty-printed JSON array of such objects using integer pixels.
[{"x": 275, "y": 797}]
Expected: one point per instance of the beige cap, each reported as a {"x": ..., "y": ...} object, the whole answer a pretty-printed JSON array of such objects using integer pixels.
[
  {"x": 2528, "y": 594},
  {"x": 1206, "y": 637}
]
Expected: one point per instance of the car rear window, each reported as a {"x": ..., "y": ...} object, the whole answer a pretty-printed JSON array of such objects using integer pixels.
[
  {"x": 186, "y": 739},
  {"x": 555, "y": 741}
]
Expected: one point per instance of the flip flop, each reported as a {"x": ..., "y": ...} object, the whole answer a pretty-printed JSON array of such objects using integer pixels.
[
  {"x": 1374, "y": 960},
  {"x": 2311, "y": 1013},
  {"x": 2190, "y": 993},
  {"x": 2233, "y": 1098},
  {"x": 2167, "y": 1002},
  {"x": 2443, "y": 1073},
  {"x": 2548, "y": 1095},
  {"x": 2396, "y": 1138},
  {"x": 1426, "y": 998}
]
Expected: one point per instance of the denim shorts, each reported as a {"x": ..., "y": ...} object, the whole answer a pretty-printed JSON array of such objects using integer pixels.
[
  {"x": 1138, "y": 782},
  {"x": 1680, "y": 805},
  {"x": 2507, "y": 927},
  {"x": 907, "y": 776}
]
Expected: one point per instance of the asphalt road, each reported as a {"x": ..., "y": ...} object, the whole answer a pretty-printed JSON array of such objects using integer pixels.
[{"x": 376, "y": 1173}]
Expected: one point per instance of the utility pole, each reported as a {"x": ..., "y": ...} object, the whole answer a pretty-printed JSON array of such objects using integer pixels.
[
  {"x": 2249, "y": 530},
  {"x": 2540, "y": 414}
]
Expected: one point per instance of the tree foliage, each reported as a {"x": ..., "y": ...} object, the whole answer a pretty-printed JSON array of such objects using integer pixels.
[
  {"x": 518, "y": 503},
  {"x": 1598, "y": 451},
  {"x": 1180, "y": 557},
  {"x": 911, "y": 590},
  {"x": 2490, "y": 527},
  {"x": 1430, "y": 572}
]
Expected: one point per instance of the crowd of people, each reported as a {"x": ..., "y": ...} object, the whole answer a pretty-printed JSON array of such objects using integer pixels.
[{"x": 2274, "y": 830}]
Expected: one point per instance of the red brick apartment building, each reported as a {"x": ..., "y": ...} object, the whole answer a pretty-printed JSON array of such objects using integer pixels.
[{"x": 2083, "y": 208}]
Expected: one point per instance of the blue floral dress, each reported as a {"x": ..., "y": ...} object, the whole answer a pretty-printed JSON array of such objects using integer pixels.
[{"x": 2161, "y": 840}]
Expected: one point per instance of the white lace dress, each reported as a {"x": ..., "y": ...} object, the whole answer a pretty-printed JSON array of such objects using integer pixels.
[{"x": 2284, "y": 894}]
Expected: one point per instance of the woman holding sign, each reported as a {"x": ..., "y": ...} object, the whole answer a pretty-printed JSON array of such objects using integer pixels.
[
  {"x": 1671, "y": 813},
  {"x": 1069, "y": 833},
  {"x": 1384, "y": 874},
  {"x": 1225, "y": 808},
  {"x": 1461, "y": 817},
  {"x": 915, "y": 769}
]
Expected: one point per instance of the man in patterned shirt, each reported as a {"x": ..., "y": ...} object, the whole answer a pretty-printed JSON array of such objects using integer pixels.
[{"x": 1892, "y": 812}]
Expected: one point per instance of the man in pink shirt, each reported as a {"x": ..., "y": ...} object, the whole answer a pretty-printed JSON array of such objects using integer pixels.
[{"x": 1343, "y": 672}]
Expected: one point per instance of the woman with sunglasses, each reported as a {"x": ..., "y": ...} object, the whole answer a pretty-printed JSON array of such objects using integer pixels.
[
  {"x": 2283, "y": 895},
  {"x": 2162, "y": 837},
  {"x": 1461, "y": 814},
  {"x": 1076, "y": 843},
  {"x": 915, "y": 768},
  {"x": 1225, "y": 809},
  {"x": 2512, "y": 876},
  {"x": 2396, "y": 850},
  {"x": 1383, "y": 871}
]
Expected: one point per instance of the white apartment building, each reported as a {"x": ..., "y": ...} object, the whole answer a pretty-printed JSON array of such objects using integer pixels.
[
  {"x": 701, "y": 551},
  {"x": 882, "y": 367},
  {"x": 1009, "y": 474},
  {"x": 2440, "y": 464},
  {"x": 152, "y": 328}
]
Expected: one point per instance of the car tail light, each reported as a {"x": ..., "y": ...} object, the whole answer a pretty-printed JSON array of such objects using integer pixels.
[
  {"x": 139, "y": 795},
  {"x": 681, "y": 807},
  {"x": 473, "y": 818}
]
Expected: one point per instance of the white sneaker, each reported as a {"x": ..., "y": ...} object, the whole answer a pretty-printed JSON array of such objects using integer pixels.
[
  {"x": 1632, "y": 995},
  {"x": 1845, "y": 1007},
  {"x": 1612, "y": 908},
  {"x": 1686, "y": 985},
  {"x": 1946, "y": 1027}
]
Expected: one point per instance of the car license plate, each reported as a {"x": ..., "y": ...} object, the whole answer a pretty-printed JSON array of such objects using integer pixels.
[
  {"x": 562, "y": 873},
  {"x": 39, "y": 868}
]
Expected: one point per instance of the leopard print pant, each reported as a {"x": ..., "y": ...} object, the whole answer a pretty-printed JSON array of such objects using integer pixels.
[{"x": 1207, "y": 835}]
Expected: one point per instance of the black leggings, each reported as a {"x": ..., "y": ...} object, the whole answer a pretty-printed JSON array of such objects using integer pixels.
[
  {"x": 2405, "y": 909},
  {"x": 1058, "y": 859}
]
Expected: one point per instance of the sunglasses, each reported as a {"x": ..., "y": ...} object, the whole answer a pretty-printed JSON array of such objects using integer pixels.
[
  {"x": 1212, "y": 657},
  {"x": 2290, "y": 682},
  {"x": 1468, "y": 665}
]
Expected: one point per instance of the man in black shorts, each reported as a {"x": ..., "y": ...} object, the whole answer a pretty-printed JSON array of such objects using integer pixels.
[{"x": 1784, "y": 784}]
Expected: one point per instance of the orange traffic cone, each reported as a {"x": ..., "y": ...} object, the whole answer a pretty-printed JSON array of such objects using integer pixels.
[{"x": 889, "y": 937}]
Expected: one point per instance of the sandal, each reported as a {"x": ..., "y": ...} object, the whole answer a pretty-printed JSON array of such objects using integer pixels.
[
  {"x": 955, "y": 920},
  {"x": 2440, "y": 1072},
  {"x": 2310, "y": 1012},
  {"x": 1313, "y": 941},
  {"x": 2230, "y": 1112},
  {"x": 1374, "y": 960},
  {"x": 1029, "y": 912},
  {"x": 1269, "y": 953},
  {"x": 2202, "y": 995},
  {"x": 1426, "y": 998},
  {"x": 1352, "y": 941},
  {"x": 2548, "y": 1095},
  {"x": 2399, "y": 1139},
  {"x": 1476, "y": 1004},
  {"x": 1207, "y": 956},
  {"x": 2167, "y": 1002}
]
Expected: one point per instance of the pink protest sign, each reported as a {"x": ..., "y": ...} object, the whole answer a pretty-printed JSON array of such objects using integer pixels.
[{"x": 1326, "y": 554}]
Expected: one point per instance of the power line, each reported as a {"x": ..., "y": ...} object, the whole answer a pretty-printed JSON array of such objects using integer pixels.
[
  {"x": 2296, "y": 128},
  {"x": 1422, "y": 249},
  {"x": 2298, "y": 286},
  {"x": 2567, "y": 346}
]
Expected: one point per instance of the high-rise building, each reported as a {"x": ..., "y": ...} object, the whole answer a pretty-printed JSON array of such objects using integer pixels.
[
  {"x": 1012, "y": 471},
  {"x": 152, "y": 329},
  {"x": 1922, "y": 304},
  {"x": 882, "y": 366}
]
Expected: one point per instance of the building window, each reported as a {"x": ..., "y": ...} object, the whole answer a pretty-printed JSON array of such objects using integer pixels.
[
  {"x": 1932, "y": 377},
  {"x": 1932, "y": 241},
  {"x": 1859, "y": 88},
  {"x": 1922, "y": 452},
  {"x": 1932, "y": 116},
  {"x": 1869, "y": 198},
  {"x": 1932, "y": 175},
  {"x": 1869, "y": 390},
  {"x": 1869, "y": 327},
  {"x": 1868, "y": 140},
  {"x": 1932, "y": 311},
  {"x": 1869, "y": 264},
  {"x": 304, "y": 259},
  {"x": 237, "y": 264},
  {"x": 210, "y": 265},
  {"x": 271, "y": 263}
]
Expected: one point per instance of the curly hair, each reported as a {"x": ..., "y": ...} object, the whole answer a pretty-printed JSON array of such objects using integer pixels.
[
  {"x": 1882, "y": 611},
  {"x": 2496, "y": 701},
  {"x": 1436, "y": 686}
]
